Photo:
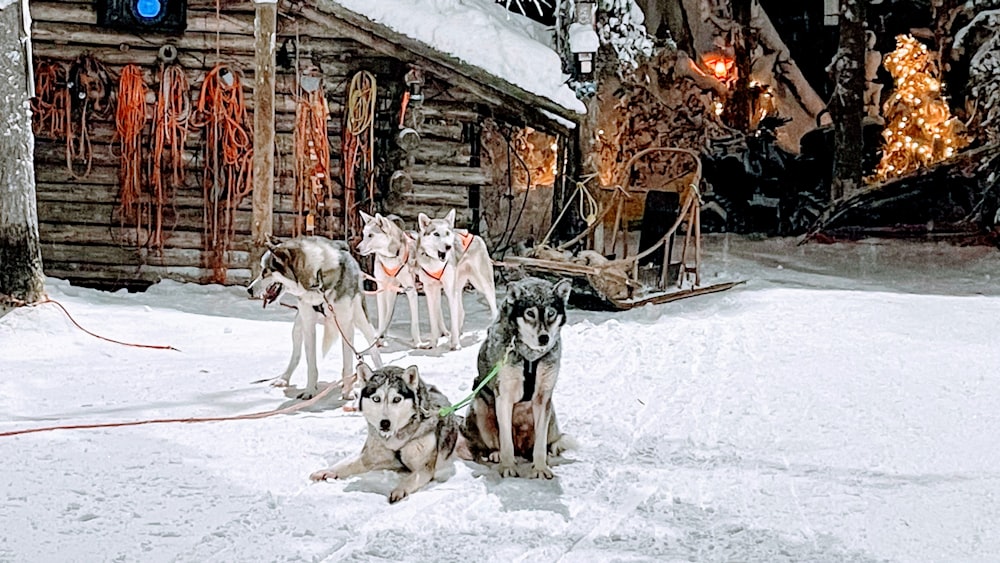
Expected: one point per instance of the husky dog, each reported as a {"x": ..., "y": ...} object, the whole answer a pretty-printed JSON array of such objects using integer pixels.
[
  {"x": 405, "y": 431},
  {"x": 446, "y": 260},
  {"x": 513, "y": 414},
  {"x": 395, "y": 253},
  {"x": 326, "y": 279}
]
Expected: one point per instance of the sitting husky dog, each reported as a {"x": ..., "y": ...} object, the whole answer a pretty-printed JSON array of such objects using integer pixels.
[
  {"x": 447, "y": 260},
  {"x": 405, "y": 431},
  {"x": 326, "y": 279},
  {"x": 513, "y": 414},
  {"x": 395, "y": 254}
]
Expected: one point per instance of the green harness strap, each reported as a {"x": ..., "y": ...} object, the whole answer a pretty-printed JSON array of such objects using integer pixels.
[{"x": 445, "y": 411}]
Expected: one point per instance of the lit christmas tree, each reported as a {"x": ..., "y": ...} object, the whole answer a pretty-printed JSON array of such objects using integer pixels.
[{"x": 919, "y": 128}]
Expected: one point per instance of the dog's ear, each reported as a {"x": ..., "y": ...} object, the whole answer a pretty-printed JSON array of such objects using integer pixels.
[
  {"x": 366, "y": 217},
  {"x": 422, "y": 221},
  {"x": 383, "y": 222},
  {"x": 411, "y": 376},
  {"x": 563, "y": 288},
  {"x": 272, "y": 242},
  {"x": 282, "y": 254},
  {"x": 365, "y": 373},
  {"x": 450, "y": 218}
]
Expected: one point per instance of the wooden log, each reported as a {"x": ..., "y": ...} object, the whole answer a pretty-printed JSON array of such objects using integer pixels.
[
  {"x": 123, "y": 255},
  {"x": 116, "y": 276},
  {"x": 449, "y": 175}
]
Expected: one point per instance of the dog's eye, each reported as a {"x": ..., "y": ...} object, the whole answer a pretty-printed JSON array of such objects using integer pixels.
[
  {"x": 437, "y": 234},
  {"x": 396, "y": 399},
  {"x": 550, "y": 314},
  {"x": 376, "y": 399},
  {"x": 530, "y": 314}
]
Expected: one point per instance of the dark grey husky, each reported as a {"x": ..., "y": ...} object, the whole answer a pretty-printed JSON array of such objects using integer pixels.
[
  {"x": 513, "y": 414},
  {"x": 405, "y": 431}
]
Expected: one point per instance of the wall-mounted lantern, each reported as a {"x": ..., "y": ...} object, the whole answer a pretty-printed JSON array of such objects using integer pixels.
[{"x": 583, "y": 40}]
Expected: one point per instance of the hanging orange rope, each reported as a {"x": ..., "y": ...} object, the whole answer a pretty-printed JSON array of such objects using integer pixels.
[
  {"x": 358, "y": 150},
  {"x": 228, "y": 160},
  {"x": 130, "y": 119},
  {"x": 313, "y": 189},
  {"x": 170, "y": 129},
  {"x": 49, "y": 106}
]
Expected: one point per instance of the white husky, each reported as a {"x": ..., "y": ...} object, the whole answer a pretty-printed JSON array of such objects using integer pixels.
[
  {"x": 395, "y": 260},
  {"x": 446, "y": 260}
]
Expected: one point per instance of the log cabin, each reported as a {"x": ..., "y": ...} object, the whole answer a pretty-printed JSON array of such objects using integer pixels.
[{"x": 149, "y": 177}]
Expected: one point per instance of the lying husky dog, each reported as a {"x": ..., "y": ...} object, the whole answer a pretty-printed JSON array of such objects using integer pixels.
[
  {"x": 513, "y": 414},
  {"x": 326, "y": 279},
  {"x": 405, "y": 431},
  {"x": 395, "y": 254},
  {"x": 446, "y": 260}
]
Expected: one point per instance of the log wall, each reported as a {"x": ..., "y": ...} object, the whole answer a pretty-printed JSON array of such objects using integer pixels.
[{"x": 84, "y": 242}]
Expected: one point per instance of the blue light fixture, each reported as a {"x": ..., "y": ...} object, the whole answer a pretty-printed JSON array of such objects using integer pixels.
[{"x": 149, "y": 8}]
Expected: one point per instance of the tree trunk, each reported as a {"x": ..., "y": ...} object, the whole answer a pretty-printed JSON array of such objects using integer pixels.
[
  {"x": 21, "y": 277},
  {"x": 739, "y": 107},
  {"x": 847, "y": 105}
]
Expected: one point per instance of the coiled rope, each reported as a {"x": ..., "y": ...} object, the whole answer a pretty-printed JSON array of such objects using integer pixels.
[
  {"x": 358, "y": 149},
  {"x": 130, "y": 119},
  {"x": 228, "y": 158},
  {"x": 49, "y": 106},
  {"x": 91, "y": 91},
  {"x": 170, "y": 129}
]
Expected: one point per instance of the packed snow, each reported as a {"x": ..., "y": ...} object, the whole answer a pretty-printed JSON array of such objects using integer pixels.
[
  {"x": 481, "y": 33},
  {"x": 839, "y": 406}
]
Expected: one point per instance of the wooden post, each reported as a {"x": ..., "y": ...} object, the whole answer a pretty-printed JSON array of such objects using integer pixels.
[{"x": 265, "y": 27}]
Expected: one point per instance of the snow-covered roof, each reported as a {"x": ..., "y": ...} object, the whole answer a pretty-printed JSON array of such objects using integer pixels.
[{"x": 479, "y": 33}]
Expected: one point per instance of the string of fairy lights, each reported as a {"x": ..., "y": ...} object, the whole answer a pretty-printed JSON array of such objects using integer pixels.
[{"x": 919, "y": 130}]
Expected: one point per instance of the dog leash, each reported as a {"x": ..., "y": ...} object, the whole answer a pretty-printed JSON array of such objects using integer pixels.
[
  {"x": 18, "y": 302},
  {"x": 251, "y": 416},
  {"x": 445, "y": 411}
]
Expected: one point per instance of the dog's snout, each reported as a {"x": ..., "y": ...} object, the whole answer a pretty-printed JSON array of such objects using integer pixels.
[
  {"x": 447, "y": 248},
  {"x": 543, "y": 339},
  {"x": 384, "y": 425}
]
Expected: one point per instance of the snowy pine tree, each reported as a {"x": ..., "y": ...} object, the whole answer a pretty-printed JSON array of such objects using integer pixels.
[{"x": 919, "y": 128}]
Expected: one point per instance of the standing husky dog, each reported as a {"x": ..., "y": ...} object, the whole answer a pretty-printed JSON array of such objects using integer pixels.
[
  {"x": 326, "y": 279},
  {"x": 405, "y": 431},
  {"x": 447, "y": 260},
  {"x": 513, "y": 414},
  {"x": 395, "y": 259}
]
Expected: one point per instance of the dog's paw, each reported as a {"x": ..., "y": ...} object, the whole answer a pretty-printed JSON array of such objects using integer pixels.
[
  {"x": 397, "y": 495},
  {"x": 543, "y": 472},
  {"x": 557, "y": 448},
  {"x": 422, "y": 345},
  {"x": 279, "y": 382},
  {"x": 307, "y": 393},
  {"x": 324, "y": 474},
  {"x": 507, "y": 470},
  {"x": 494, "y": 457},
  {"x": 456, "y": 345}
]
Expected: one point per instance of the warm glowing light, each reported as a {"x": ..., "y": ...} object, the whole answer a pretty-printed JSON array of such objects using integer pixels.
[
  {"x": 719, "y": 65},
  {"x": 917, "y": 113}
]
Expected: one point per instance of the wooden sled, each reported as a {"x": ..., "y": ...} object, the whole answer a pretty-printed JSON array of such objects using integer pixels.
[{"x": 616, "y": 284}]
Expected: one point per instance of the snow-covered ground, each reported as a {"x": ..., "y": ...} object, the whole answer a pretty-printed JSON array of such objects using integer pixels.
[{"x": 841, "y": 406}]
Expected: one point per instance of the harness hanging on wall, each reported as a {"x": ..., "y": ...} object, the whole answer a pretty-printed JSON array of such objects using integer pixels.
[
  {"x": 228, "y": 157},
  {"x": 91, "y": 91},
  {"x": 358, "y": 150},
  {"x": 170, "y": 129},
  {"x": 130, "y": 120},
  {"x": 313, "y": 189}
]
